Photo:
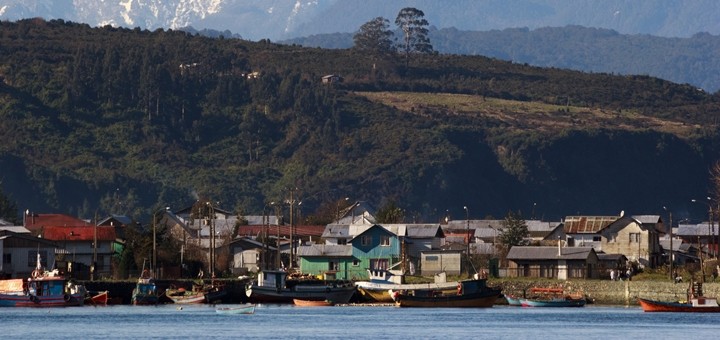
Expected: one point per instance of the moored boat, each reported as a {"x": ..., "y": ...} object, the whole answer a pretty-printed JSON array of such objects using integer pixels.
[
  {"x": 470, "y": 293},
  {"x": 247, "y": 308},
  {"x": 145, "y": 292},
  {"x": 696, "y": 303},
  {"x": 312, "y": 303},
  {"x": 273, "y": 286},
  {"x": 553, "y": 297},
  {"x": 512, "y": 300},
  {"x": 381, "y": 282},
  {"x": 200, "y": 293},
  {"x": 98, "y": 298},
  {"x": 42, "y": 289}
]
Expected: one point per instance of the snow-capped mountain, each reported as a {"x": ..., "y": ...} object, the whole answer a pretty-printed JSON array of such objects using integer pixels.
[{"x": 284, "y": 19}]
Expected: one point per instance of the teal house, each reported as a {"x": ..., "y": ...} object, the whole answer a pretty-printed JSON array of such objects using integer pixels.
[{"x": 351, "y": 250}]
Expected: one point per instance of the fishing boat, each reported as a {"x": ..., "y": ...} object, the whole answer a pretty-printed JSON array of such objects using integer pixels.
[
  {"x": 200, "y": 293},
  {"x": 469, "y": 293},
  {"x": 696, "y": 303},
  {"x": 383, "y": 281},
  {"x": 274, "y": 286},
  {"x": 553, "y": 297},
  {"x": 98, "y": 298},
  {"x": 247, "y": 308},
  {"x": 312, "y": 303},
  {"x": 145, "y": 292},
  {"x": 42, "y": 289}
]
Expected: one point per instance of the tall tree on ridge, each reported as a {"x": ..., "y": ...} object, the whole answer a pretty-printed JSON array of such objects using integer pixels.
[
  {"x": 415, "y": 33},
  {"x": 374, "y": 37}
]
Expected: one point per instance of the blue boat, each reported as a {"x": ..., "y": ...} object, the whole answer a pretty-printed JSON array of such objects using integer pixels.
[
  {"x": 145, "y": 292},
  {"x": 553, "y": 297},
  {"x": 512, "y": 300}
]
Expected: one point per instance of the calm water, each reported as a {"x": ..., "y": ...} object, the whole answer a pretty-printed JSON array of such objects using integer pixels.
[{"x": 287, "y": 321}]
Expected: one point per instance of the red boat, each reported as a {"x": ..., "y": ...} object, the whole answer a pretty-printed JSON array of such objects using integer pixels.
[{"x": 696, "y": 303}]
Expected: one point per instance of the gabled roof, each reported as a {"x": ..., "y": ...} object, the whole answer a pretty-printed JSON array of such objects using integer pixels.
[
  {"x": 374, "y": 226},
  {"x": 414, "y": 230},
  {"x": 587, "y": 224},
  {"x": 249, "y": 243},
  {"x": 325, "y": 250},
  {"x": 549, "y": 253},
  {"x": 78, "y": 233},
  {"x": 258, "y": 220},
  {"x": 18, "y": 229},
  {"x": 122, "y": 219},
  {"x": 34, "y": 222}
]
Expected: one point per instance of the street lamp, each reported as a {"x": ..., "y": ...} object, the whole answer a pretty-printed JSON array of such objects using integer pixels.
[
  {"x": 154, "y": 254},
  {"x": 467, "y": 235},
  {"x": 711, "y": 226},
  {"x": 672, "y": 276}
]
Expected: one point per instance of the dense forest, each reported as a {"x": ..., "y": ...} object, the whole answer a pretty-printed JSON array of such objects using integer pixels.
[
  {"x": 682, "y": 60},
  {"x": 126, "y": 120}
]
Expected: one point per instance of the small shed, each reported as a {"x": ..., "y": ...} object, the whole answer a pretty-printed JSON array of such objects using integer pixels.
[
  {"x": 438, "y": 261},
  {"x": 331, "y": 79}
]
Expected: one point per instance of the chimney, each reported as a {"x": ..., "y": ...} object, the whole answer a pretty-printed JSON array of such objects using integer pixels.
[{"x": 559, "y": 247}]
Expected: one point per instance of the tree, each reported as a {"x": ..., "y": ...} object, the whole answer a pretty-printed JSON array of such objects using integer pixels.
[
  {"x": 374, "y": 37},
  {"x": 8, "y": 208},
  {"x": 415, "y": 33},
  {"x": 515, "y": 230},
  {"x": 390, "y": 213}
]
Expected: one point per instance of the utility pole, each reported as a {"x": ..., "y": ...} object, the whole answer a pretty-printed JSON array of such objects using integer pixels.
[
  {"x": 467, "y": 235},
  {"x": 672, "y": 276}
]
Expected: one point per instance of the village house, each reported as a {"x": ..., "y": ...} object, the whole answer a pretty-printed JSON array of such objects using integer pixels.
[
  {"x": 77, "y": 252},
  {"x": 19, "y": 251},
  {"x": 552, "y": 262},
  {"x": 636, "y": 237}
]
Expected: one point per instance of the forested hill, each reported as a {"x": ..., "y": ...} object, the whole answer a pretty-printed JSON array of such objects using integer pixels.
[
  {"x": 689, "y": 60},
  {"x": 123, "y": 121}
]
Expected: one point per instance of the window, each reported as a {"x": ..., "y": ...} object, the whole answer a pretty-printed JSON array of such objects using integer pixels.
[
  {"x": 99, "y": 263},
  {"x": 334, "y": 265},
  {"x": 596, "y": 239},
  {"x": 378, "y": 264},
  {"x": 32, "y": 258},
  {"x": 634, "y": 237},
  {"x": 365, "y": 240},
  {"x": 431, "y": 258},
  {"x": 7, "y": 258},
  {"x": 356, "y": 262},
  {"x": 342, "y": 241},
  {"x": 385, "y": 240}
]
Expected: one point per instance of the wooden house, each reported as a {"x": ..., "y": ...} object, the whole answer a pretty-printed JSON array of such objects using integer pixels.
[
  {"x": 552, "y": 262},
  {"x": 439, "y": 261},
  {"x": 335, "y": 260},
  {"x": 19, "y": 253}
]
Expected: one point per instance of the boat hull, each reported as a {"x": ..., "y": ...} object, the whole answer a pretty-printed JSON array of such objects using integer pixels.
[
  {"x": 659, "y": 306},
  {"x": 378, "y": 292},
  {"x": 65, "y": 300},
  {"x": 317, "y": 293},
  {"x": 244, "y": 309},
  {"x": 553, "y": 303},
  {"x": 312, "y": 303},
  {"x": 512, "y": 300},
  {"x": 462, "y": 301}
]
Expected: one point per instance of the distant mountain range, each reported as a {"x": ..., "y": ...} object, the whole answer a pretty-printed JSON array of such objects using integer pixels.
[{"x": 286, "y": 19}]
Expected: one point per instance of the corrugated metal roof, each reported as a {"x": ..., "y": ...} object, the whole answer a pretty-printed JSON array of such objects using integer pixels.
[
  {"x": 548, "y": 253},
  {"x": 86, "y": 233},
  {"x": 325, "y": 250},
  {"x": 587, "y": 224},
  {"x": 702, "y": 229},
  {"x": 647, "y": 219}
]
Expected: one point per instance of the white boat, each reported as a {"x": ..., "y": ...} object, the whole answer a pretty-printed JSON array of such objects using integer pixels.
[
  {"x": 247, "y": 308},
  {"x": 382, "y": 281}
]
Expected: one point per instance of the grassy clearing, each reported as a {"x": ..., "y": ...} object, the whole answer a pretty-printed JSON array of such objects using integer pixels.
[{"x": 535, "y": 116}]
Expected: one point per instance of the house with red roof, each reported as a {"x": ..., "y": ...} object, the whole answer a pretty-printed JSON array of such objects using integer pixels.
[{"x": 80, "y": 244}]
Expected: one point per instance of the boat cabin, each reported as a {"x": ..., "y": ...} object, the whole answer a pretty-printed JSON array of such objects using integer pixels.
[{"x": 272, "y": 278}]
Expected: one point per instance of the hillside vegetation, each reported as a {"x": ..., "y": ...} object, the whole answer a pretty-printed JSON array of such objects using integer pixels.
[{"x": 124, "y": 121}]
